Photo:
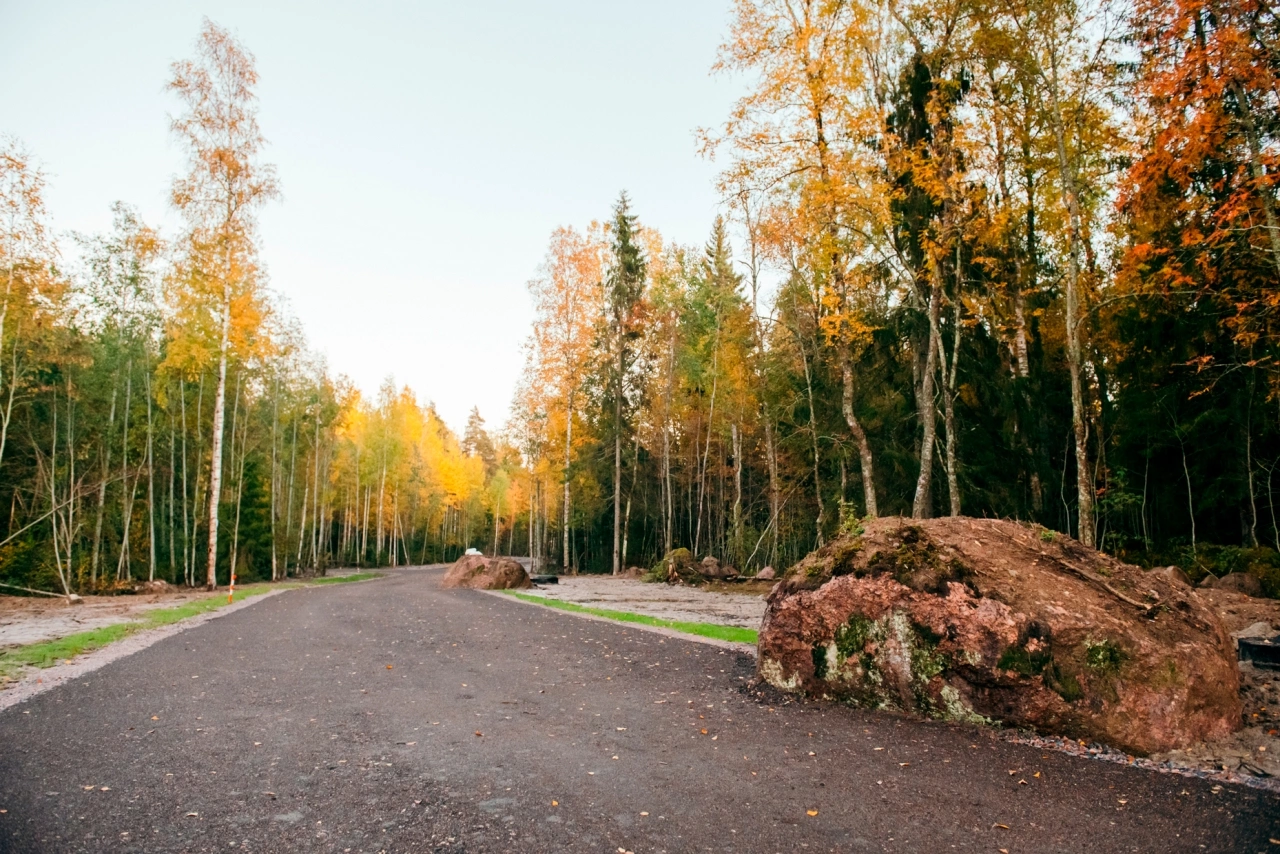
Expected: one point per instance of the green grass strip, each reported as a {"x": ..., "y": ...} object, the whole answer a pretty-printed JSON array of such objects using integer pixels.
[
  {"x": 343, "y": 579},
  {"x": 49, "y": 653},
  {"x": 706, "y": 630}
]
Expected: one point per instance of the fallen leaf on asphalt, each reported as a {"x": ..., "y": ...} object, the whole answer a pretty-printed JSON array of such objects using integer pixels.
[
  {"x": 257, "y": 744},
  {"x": 644, "y": 813},
  {"x": 269, "y": 794},
  {"x": 714, "y": 737},
  {"x": 555, "y": 803},
  {"x": 591, "y": 773},
  {"x": 388, "y": 666},
  {"x": 904, "y": 764},
  {"x": 478, "y": 732},
  {"x": 877, "y": 748},
  {"x": 105, "y": 789},
  {"x": 811, "y": 812},
  {"x": 704, "y": 732},
  {"x": 193, "y": 815},
  {"x": 1037, "y": 774},
  {"x": 1022, "y": 782},
  {"x": 1011, "y": 773},
  {"x": 2, "y": 812},
  {"x": 88, "y": 788},
  {"x": 1122, "y": 801},
  {"x": 621, "y": 729},
  {"x": 1001, "y": 826},
  {"x": 155, "y": 717}
]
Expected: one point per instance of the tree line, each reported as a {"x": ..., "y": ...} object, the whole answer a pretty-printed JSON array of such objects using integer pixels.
[
  {"x": 1013, "y": 258},
  {"x": 161, "y": 415}
]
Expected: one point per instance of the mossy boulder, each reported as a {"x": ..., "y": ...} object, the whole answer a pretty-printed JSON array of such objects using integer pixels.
[
  {"x": 989, "y": 621},
  {"x": 486, "y": 573}
]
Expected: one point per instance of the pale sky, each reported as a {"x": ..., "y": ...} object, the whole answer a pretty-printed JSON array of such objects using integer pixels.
[{"x": 425, "y": 150}]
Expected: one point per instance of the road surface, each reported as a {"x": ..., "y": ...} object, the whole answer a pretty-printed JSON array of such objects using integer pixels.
[{"x": 394, "y": 716}]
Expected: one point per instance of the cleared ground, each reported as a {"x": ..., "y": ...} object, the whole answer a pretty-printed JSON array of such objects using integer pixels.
[
  {"x": 392, "y": 716},
  {"x": 667, "y": 601}
]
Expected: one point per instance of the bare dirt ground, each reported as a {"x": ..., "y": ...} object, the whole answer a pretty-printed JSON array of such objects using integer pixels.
[
  {"x": 667, "y": 601},
  {"x": 25, "y": 620}
]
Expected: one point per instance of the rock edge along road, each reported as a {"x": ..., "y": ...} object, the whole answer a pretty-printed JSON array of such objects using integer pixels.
[{"x": 394, "y": 716}]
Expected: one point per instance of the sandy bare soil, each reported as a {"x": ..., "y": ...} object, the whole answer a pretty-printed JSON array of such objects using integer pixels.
[
  {"x": 667, "y": 601},
  {"x": 25, "y": 620}
]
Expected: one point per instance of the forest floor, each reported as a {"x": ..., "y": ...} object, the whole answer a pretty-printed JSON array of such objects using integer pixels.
[{"x": 396, "y": 716}]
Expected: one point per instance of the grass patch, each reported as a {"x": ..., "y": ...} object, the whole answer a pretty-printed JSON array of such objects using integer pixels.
[
  {"x": 343, "y": 579},
  {"x": 706, "y": 630},
  {"x": 49, "y": 653}
]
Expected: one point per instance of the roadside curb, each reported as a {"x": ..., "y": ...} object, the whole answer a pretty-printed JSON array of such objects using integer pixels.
[{"x": 660, "y": 630}]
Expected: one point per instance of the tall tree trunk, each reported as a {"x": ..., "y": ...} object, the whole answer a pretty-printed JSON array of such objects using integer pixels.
[
  {"x": 771, "y": 454},
  {"x": 122, "y": 565},
  {"x": 568, "y": 450},
  {"x": 151, "y": 486},
  {"x": 102, "y": 484},
  {"x": 813, "y": 434},
  {"x": 920, "y": 507},
  {"x": 215, "y": 461},
  {"x": 949, "y": 398},
  {"x": 711, "y": 419},
  {"x": 737, "y": 495},
  {"x": 617, "y": 464},
  {"x": 1075, "y": 360},
  {"x": 866, "y": 461}
]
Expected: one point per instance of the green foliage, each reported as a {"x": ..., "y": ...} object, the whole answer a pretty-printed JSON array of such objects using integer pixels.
[{"x": 1104, "y": 657}]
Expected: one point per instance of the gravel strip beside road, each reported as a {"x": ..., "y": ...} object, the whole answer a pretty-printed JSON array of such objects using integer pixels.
[{"x": 668, "y": 601}]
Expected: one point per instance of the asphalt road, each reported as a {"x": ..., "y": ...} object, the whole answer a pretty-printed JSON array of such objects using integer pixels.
[{"x": 393, "y": 716}]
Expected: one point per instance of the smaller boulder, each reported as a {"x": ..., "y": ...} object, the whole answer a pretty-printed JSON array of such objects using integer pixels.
[
  {"x": 1241, "y": 582},
  {"x": 711, "y": 568},
  {"x": 157, "y": 586},
  {"x": 767, "y": 574},
  {"x": 478, "y": 572},
  {"x": 1208, "y": 581},
  {"x": 1257, "y": 630},
  {"x": 632, "y": 572},
  {"x": 1172, "y": 574}
]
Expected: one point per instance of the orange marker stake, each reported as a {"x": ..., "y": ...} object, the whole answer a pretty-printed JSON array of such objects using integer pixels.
[{"x": 231, "y": 591}]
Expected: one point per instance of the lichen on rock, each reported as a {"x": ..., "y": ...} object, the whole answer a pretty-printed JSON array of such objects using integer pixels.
[{"x": 989, "y": 621}]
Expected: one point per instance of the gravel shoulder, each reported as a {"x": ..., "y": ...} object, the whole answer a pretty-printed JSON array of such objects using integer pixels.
[
  {"x": 30, "y": 619},
  {"x": 667, "y": 601}
]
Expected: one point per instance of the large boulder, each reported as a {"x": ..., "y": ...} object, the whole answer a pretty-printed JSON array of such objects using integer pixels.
[
  {"x": 486, "y": 573},
  {"x": 992, "y": 621},
  {"x": 1240, "y": 582}
]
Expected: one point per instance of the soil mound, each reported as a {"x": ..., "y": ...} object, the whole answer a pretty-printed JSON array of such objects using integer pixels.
[
  {"x": 486, "y": 573},
  {"x": 992, "y": 621}
]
